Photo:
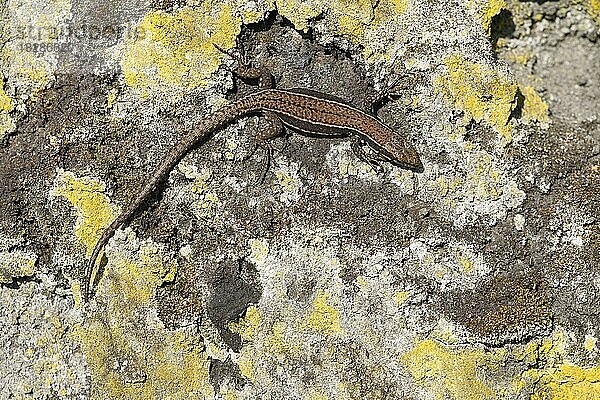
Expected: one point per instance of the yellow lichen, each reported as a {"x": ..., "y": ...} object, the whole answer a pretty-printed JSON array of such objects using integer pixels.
[
  {"x": 482, "y": 93},
  {"x": 534, "y": 108},
  {"x": 465, "y": 258},
  {"x": 208, "y": 201},
  {"x": 400, "y": 297},
  {"x": 93, "y": 208},
  {"x": 29, "y": 54},
  {"x": 166, "y": 366},
  {"x": 7, "y": 125},
  {"x": 26, "y": 70},
  {"x": 278, "y": 342},
  {"x": 486, "y": 10},
  {"x": 288, "y": 183},
  {"x": 201, "y": 179},
  {"x": 132, "y": 355},
  {"x": 247, "y": 363},
  {"x": 590, "y": 343},
  {"x": 315, "y": 394},
  {"x": 259, "y": 251},
  {"x": 356, "y": 20},
  {"x": 111, "y": 97},
  {"x": 351, "y": 27},
  {"x": 253, "y": 11},
  {"x": 177, "y": 49},
  {"x": 466, "y": 263},
  {"x": 485, "y": 181},
  {"x": 300, "y": 12},
  {"x": 451, "y": 373},
  {"x": 566, "y": 382},
  {"x": 519, "y": 56},
  {"x": 247, "y": 328},
  {"x": 6, "y": 103},
  {"x": 550, "y": 350},
  {"x": 228, "y": 394},
  {"x": 248, "y": 325},
  {"x": 362, "y": 24},
  {"x": 137, "y": 278},
  {"x": 484, "y": 178},
  {"x": 593, "y": 8},
  {"x": 324, "y": 318},
  {"x": 556, "y": 378}
]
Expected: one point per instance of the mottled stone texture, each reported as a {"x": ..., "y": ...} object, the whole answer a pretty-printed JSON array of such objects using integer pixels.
[{"x": 477, "y": 278}]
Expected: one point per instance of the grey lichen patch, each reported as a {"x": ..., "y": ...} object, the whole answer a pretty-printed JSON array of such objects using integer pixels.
[
  {"x": 40, "y": 358},
  {"x": 504, "y": 310},
  {"x": 28, "y": 35},
  {"x": 307, "y": 315}
]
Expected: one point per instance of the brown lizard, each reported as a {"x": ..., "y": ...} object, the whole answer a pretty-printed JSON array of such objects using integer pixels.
[{"x": 303, "y": 110}]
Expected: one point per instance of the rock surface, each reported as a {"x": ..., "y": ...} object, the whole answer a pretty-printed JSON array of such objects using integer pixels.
[{"x": 477, "y": 278}]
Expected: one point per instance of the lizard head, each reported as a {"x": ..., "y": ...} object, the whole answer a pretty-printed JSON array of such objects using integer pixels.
[{"x": 403, "y": 154}]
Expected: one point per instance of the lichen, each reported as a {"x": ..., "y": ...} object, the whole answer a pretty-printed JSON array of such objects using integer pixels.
[
  {"x": 111, "y": 97},
  {"x": 553, "y": 377},
  {"x": 278, "y": 342},
  {"x": 486, "y": 10},
  {"x": 400, "y": 297},
  {"x": 534, "y": 107},
  {"x": 451, "y": 373},
  {"x": 28, "y": 69},
  {"x": 519, "y": 56},
  {"x": 259, "y": 250},
  {"x": 482, "y": 93},
  {"x": 178, "y": 49},
  {"x": 590, "y": 343},
  {"x": 289, "y": 181},
  {"x": 361, "y": 21},
  {"x": 16, "y": 264},
  {"x": 482, "y": 190},
  {"x": 7, "y": 124},
  {"x": 130, "y": 353},
  {"x": 484, "y": 179},
  {"x": 6, "y": 103},
  {"x": 593, "y": 8},
  {"x": 324, "y": 318},
  {"x": 263, "y": 347},
  {"x": 344, "y": 164},
  {"x": 300, "y": 12},
  {"x": 93, "y": 208},
  {"x": 248, "y": 325},
  {"x": 567, "y": 382},
  {"x": 39, "y": 358}
]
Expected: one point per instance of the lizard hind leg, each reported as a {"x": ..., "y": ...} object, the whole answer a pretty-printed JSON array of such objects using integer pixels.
[
  {"x": 273, "y": 129},
  {"x": 247, "y": 72}
]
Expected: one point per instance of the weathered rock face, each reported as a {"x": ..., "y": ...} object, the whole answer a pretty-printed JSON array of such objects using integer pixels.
[{"x": 475, "y": 278}]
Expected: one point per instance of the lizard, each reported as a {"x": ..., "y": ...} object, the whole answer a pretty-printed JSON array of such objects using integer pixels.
[{"x": 303, "y": 110}]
